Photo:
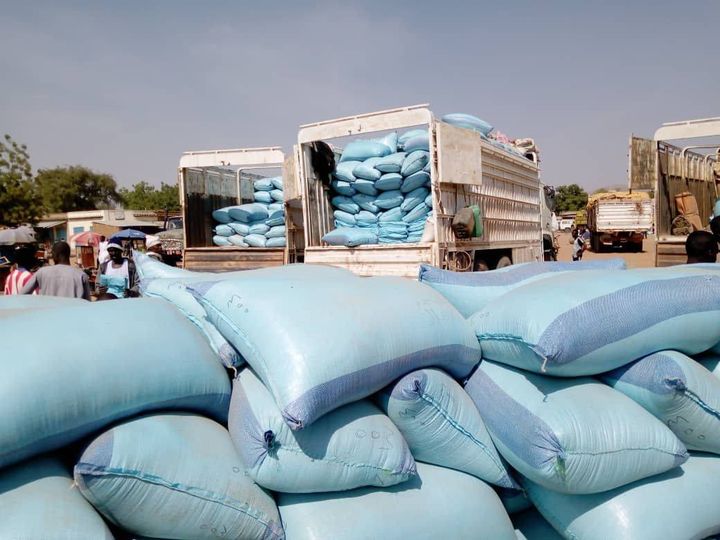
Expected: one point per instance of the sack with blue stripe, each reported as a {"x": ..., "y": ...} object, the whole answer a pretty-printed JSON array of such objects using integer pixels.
[
  {"x": 321, "y": 341},
  {"x": 585, "y": 323},
  {"x": 353, "y": 446},
  {"x": 680, "y": 504},
  {"x": 110, "y": 360},
  {"x": 438, "y": 503},
  {"x": 470, "y": 292},
  {"x": 175, "y": 476},
  {"x": 442, "y": 426},
  {"x": 678, "y": 391},
  {"x": 38, "y": 501},
  {"x": 571, "y": 435}
]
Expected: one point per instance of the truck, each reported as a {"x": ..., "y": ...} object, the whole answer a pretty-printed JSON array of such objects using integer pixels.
[
  {"x": 619, "y": 219},
  {"x": 465, "y": 170},
  {"x": 213, "y": 179},
  {"x": 676, "y": 173}
]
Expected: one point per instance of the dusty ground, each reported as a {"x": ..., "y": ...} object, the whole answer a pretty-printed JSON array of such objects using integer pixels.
[{"x": 634, "y": 260}]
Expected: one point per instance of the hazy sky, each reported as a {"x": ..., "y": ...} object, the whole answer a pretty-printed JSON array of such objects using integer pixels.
[{"x": 126, "y": 87}]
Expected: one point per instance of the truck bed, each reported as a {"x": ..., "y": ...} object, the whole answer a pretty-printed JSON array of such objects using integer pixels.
[
  {"x": 621, "y": 215},
  {"x": 227, "y": 259}
]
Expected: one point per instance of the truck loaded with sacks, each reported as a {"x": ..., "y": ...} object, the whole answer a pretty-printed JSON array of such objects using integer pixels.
[
  {"x": 619, "y": 219},
  {"x": 238, "y": 214},
  {"x": 384, "y": 192}
]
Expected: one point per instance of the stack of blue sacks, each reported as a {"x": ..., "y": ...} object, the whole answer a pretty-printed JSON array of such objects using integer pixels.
[
  {"x": 257, "y": 224},
  {"x": 381, "y": 191}
]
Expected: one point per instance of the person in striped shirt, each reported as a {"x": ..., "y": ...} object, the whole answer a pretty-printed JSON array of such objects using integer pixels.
[{"x": 25, "y": 262}]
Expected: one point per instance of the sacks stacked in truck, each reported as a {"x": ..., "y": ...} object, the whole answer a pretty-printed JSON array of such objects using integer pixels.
[
  {"x": 257, "y": 224},
  {"x": 381, "y": 191}
]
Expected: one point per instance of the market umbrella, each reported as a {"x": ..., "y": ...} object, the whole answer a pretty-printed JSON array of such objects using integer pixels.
[
  {"x": 87, "y": 238},
  {"x": 128, "y": 234},
  {"x": 19, "y": 235}
]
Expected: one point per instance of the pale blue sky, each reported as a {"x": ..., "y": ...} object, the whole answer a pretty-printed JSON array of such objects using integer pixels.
[{"x": 126, "y": 87}]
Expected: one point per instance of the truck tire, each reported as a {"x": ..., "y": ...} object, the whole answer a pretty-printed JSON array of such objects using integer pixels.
[
  {"x": 504, "y": 262},
  {"x": 595, "y": 241}
]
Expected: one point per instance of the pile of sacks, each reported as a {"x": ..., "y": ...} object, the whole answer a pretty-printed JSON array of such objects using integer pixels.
[
  {"x": 258, "y": 224},
  {"x": 586, "y": 417}
]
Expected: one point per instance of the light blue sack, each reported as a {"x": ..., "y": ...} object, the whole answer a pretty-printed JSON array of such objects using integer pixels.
[
  {"x": 406, "y": 136},
  {"x": 442, "y": 426},
  {"x": 148, "y": 267},
  {"x": 174, "y": 290},
  {"x": 275, "y": 242},
  {"x": 390, "y": 140},
  {"x": 414, "y": 162},
  {"x": 275, "y": 207},
  {"x": 263, "y": 197},
  {"x": 366, "y": 217},
  {"x": 259, "y": 228},
  {"x": 535, "y": 327},
  {"x": 255, "y": 240},
  {"x": 679, "y": 392},
  {"x": 275, "y": 222},
  {"x": 277, "y": 182},
  {"x": 389, "y": 182},
  {"x": 468, "y": 121},
  {"x": 276, "y": 232},
  {"x": 428, "y": 201},
  {"x": 419, "y": 142},
  {"x": 711, "y": 361},
  {"x": 396, "y": 214},
  {"x": 513, "y": 500},
  {"x": 470, "y": 292},
  {"x": 366, "y": 172},
  {"x": 161, "y": 361},
  {"x": 391, "y": 164},
  {"x": 366, "y": 202},
  {"x": 222, "y": 215},
  {"x": 439, "y": 503},
  {"x": 350, "y": 237},
  {"x": 277, "y": 195},
  {"x": 414, "y": 198},
  {"x": 343, "y": 171},
  {"x": 312, "y": 369},
  {"x": 263, "y": 184},
  {"x": 362, "y": 150},
  {"x": 366, "y": 187},
  {"x": 239, "y": 228},
  {"x": 530, "y": 525},
  {"x": 15, "y": 304},
  {"x": 237, "y": 240},
  {"x": 224, "y": 230},
  {"x": 571, "y": 435},
  {"x": 345, "y": 204},
  {"x": 415, "y": 181},
  {"x": 38, "y": 502},
  {"x": 345, "y": 217},
  {"x": 419, "y": 212},
  {"x": 389, "y": 199},
  {"x": 221, "y": 241},
  {"x": 353, "y": 446},
  {"x": 343, "y": 188},
  {"x": 678, "y": 505},
  {"x": 175, "y": 476},
  {"x": 247, "y": 213}
]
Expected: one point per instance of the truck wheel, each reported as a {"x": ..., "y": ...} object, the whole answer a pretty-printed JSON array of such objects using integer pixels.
[
  {"x": 504, "y": 262},
  {"x": 595, "y": 243}
]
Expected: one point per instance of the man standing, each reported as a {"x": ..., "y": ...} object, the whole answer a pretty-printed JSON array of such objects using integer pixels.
[
  {"x": 117, "y": 277},
  {"x": 578, "y": 246},
  {"x": 60, "y": 279},
  {"x": 701, "y": 247},
  {"x": 25, "y": 263}
]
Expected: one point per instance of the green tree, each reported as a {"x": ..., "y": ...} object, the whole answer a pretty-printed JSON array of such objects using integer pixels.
[
  {"x": 66, "y": 189},
  {"x": 570, "y": 198},
  {"x": 20, "y": 200},
  {"x": 144, "y": 196}
]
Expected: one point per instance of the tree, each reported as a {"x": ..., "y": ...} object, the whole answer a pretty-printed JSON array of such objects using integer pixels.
[
  {"x": 66, "y": 189},
  {"x": 20, "y": 200},
  {"x": 144, "y": 196},
  {"x": 570, "y": 198}
]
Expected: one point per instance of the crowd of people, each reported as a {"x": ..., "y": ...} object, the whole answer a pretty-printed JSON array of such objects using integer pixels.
[{"x": 116, "y": 275}]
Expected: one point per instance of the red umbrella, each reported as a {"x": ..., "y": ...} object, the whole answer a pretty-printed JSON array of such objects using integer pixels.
[{"x": 87, "y": 238}]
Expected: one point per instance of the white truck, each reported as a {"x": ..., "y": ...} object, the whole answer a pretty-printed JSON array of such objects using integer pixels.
[
  {"x": 674, "y": 172},
  {"x": 465, "y": 170},
  {"x": 619, "y": 219},
  {"x": 212, "y": 179}
]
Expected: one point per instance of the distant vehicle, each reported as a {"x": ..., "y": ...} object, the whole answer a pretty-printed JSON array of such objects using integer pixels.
[
  {"x": 565, "y": 224},
  {"x": 619, "y": 219}
]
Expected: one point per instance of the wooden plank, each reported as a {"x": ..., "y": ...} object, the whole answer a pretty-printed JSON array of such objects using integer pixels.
[
  {"x": 373, "y": 260},
  {"x": 459, "y": 155},
  {"x": 642, "y": 174},
  {"x": 227, "y": 259},
  {"x": 670, "y": 252}
]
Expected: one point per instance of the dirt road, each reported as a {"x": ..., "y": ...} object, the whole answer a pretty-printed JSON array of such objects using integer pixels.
[{"x": 644, "y": 259}]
